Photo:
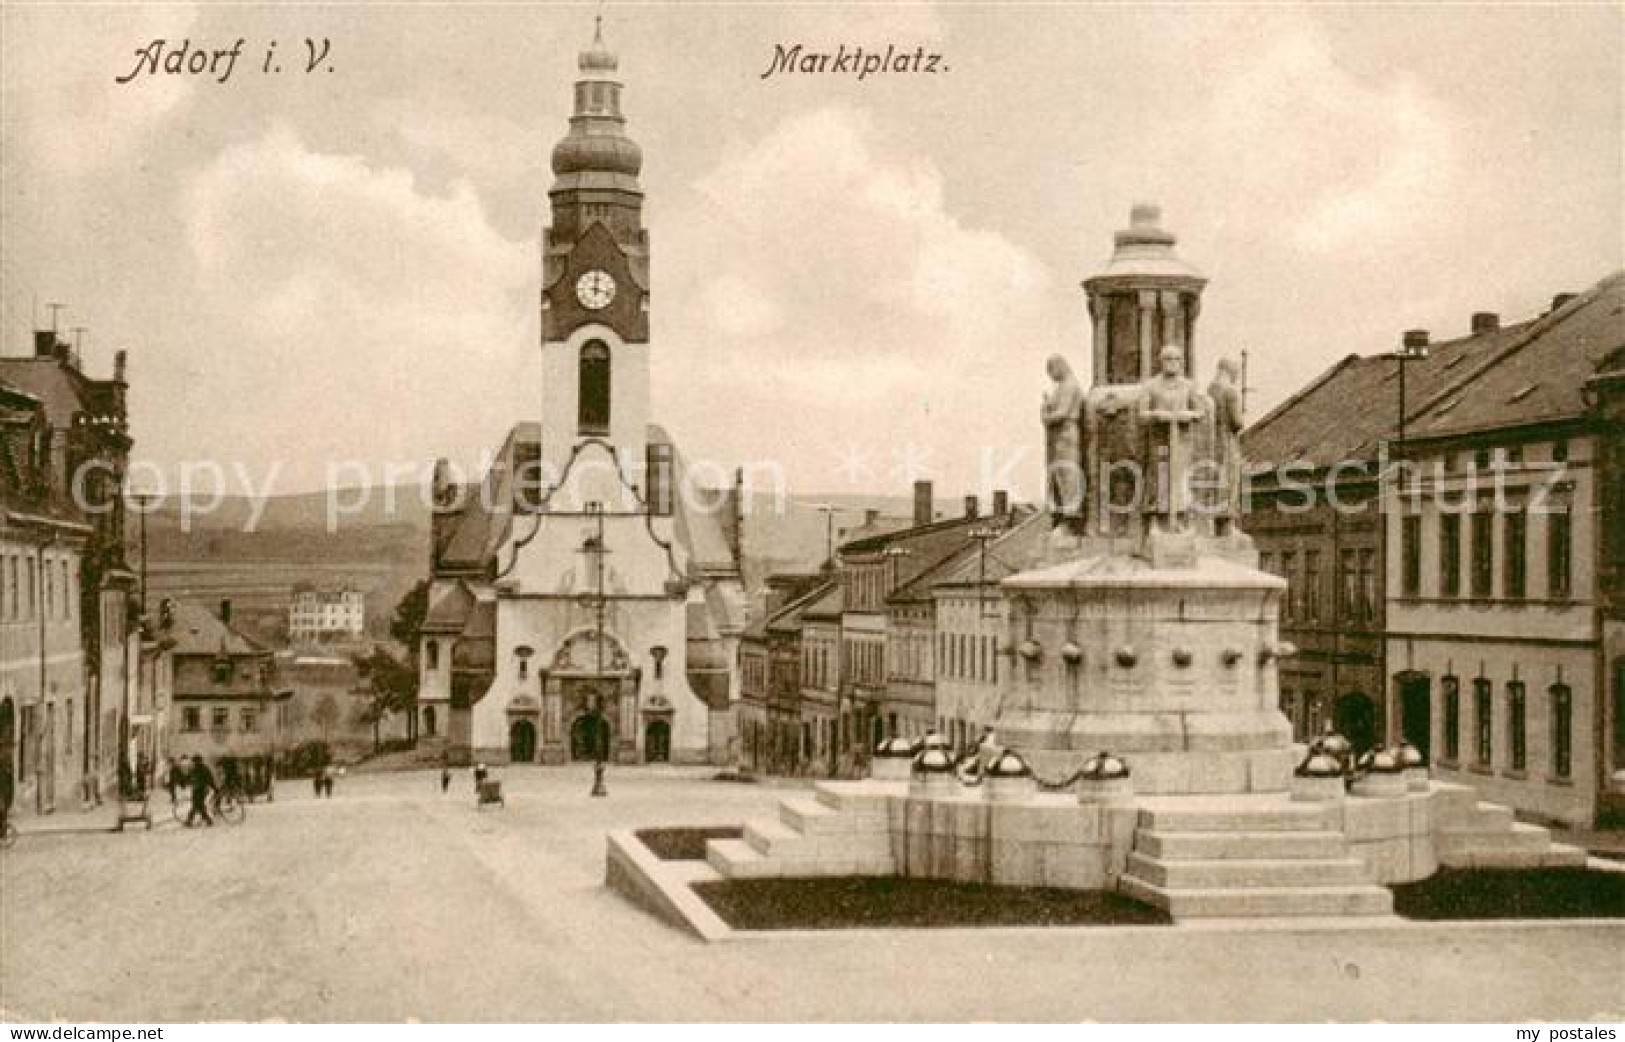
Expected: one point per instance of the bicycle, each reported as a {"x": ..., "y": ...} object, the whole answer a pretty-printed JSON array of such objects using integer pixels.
[{"x": 226, "y": 804}]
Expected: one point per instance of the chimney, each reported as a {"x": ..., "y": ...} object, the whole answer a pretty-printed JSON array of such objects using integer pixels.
[
  {"x": 44, "y": 343},
  {"x": 225, "y": 610},
  {"x": 1485, "y": 322},
  {"x": 1001, "y": 502},
  {"x": 1415, "y": 338},
  {"x": 871, "y": 515},
  {"x": 120, "y": 363},
  {"x": 922, "y": 503},
  {"x": 971, "y": 507},
  {"x": 1561, "y": 299}
]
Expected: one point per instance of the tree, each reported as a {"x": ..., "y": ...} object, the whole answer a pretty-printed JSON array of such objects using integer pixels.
[
  {"x": 406, "y": 627},
  {"x": 409, "y": 615},
  {"x": 393, "y": 684},
  {"x": 325, "y": 715}
]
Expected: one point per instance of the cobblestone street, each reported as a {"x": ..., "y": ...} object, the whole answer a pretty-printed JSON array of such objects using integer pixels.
[{"x": 393, "y": 902}]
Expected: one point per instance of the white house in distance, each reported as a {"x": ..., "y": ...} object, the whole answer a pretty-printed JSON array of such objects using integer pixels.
[
  {"x": 579, "y": 602},
  {"x": 319, "y": 614}
]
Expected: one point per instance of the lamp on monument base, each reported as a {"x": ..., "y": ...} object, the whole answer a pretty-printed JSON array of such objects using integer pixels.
[
  {"x": 1319, "y": 778},
  {"x": 932, "y": 774},
  {"x": 1104, "y": 778},
  {"x": 1010, "y": 779},
  {"x": 1381, "y": 776},
  {"x": 1415, "y": 765},
  {"x": 892, "y": 760}
]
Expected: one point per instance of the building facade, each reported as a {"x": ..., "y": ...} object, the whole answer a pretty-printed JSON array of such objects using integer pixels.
[
  {"x": 317, "y": 614},
  {"x": 1496, "y": 615},
  {"x": 66, "y": 684},
  {"x": 585, "y": 596},
  {"x": 971, "y": 617},
  {"x": 1605, "y": 395},
  {"x": 226, "y": 700}
]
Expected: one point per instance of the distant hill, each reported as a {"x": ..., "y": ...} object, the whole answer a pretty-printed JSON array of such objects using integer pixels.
[{"x": 380, "y": 545}]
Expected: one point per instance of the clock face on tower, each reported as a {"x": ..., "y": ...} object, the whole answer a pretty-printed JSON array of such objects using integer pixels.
[{"x": 595, "y": 290}]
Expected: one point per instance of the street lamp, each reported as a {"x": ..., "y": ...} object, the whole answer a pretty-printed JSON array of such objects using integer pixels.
[
  {"x": 594, "y": 547},
  {"x": 983, "y": 534},
  {"x": 1414, "y": 348}
]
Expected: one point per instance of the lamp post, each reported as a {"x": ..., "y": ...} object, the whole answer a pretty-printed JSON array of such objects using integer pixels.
[
  {"x": 594, "y": 548},
  {"x": 1414, "y": 348}
]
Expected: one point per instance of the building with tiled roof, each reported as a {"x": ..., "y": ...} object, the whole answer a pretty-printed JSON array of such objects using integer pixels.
[
  {"x": 1500, "y": 660},
  {"x": 585, "y": 597},
  {"x": 67, "y": 692},
  {"x": 226, "y": 700},
  {"x": 971, "y": 617},
  {"x": 774, "y": 737},
  {"x": 873, "y": 569},
  {"x": 1461, "y": 615}
]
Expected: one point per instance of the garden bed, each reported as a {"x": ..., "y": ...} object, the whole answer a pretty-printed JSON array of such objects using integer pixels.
[
  {"x": 685, "y": 844},
  {"x": 852, "y": 902},
  {"x": 1534, "y": 893}
]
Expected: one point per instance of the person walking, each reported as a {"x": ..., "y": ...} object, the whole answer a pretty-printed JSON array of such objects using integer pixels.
[
  {"x": 445, "y": 779},
  {"x": 202, "y": 785},
  {"x": 479, "y": 777}
]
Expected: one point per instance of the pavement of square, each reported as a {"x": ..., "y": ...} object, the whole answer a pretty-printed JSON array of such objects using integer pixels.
[{"x": 394, "y": 902}]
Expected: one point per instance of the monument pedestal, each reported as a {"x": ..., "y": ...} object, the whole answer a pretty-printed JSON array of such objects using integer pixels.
[{"x": 1179, "y": 679}]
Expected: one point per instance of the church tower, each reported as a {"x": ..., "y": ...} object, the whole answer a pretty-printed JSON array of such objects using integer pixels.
[
  {"x": 1145, "y": 299},
  {"x": 595, "y": 276}
]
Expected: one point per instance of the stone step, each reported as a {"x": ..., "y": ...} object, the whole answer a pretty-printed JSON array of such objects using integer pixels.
[
  {"x": 1561, "y": 855},
  {"x": 772, "y": 838},
  {"x": 809, "y": 816},
  {"x": 734, "y": 859},
  {"x": 1519, "y": 837},
  {"x": 1205, "y": 846},
  {"x": 1492, "y": 816},
  {"x": 1235, "y": 874},
  {"x": 1261, "y": 902},
  {"x": 1243, "y": 817}
]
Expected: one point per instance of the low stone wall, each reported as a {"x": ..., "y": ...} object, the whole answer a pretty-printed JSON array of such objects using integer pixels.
[
  {"x": 1046, "y": 841},
  {"x": 1393, "y": 836}
]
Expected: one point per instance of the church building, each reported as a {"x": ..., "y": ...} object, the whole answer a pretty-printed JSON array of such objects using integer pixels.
[{"x": 586, "y": 597}]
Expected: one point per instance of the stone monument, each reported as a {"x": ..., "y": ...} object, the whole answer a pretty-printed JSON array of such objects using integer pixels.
[
  {"x": 1154, "y": 581},
  {"x": 1141, "y": 673}
]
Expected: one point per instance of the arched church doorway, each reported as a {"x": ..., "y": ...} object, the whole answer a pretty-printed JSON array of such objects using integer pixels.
[
  {"x": 1416, "y": 711},
  {"x": 1355, "y": 718},
  {"x": 657, "y": 742},
  {"x": 589, "y": 737},
  {"x": 522, "y": 741}
]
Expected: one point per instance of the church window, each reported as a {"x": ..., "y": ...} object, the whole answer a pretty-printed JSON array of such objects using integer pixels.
[
  {"x": 593, "y": 387},
  {"x": 659, "y": 480},
  {"x": 1562, "y": 730},
  {"x": 527, "y": 476}
]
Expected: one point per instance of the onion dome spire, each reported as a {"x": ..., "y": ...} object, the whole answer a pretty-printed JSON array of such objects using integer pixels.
[{"x": 596, "y": 153}]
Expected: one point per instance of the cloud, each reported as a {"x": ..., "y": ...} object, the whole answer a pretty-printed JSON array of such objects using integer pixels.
[
  {"x": 69, "y": 115},
  {"x": 350, "y": 294},
  {"x": 829, "y": 278},
  {"x": 1346, "y": 159}
]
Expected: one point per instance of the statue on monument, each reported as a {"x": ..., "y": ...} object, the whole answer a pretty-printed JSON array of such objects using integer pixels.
[
  {"x": 1228, "y": 420},
  {"x": 1169, "y": 411},
  {"x": 1063, "y": 458}
]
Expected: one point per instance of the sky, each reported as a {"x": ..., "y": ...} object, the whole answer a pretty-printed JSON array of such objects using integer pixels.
[{"x": 322, "y": 276}]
